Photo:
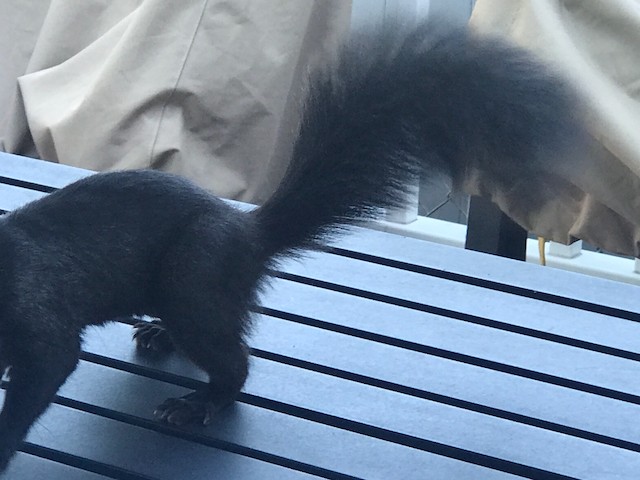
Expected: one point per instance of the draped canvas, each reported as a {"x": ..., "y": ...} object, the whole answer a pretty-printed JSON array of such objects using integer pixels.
[
  {"x": 204, "y": 88},
  {"x": 595, "y": 44}
]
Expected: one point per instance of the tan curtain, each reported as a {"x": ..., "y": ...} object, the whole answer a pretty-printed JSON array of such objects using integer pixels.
[
  {"x": 205, "y": 88},
  {"x": 596, "y": 45}
]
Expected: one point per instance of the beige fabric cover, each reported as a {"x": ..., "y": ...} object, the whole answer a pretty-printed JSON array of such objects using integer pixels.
[
  {"x": 596, "y": 45},
  {"x": 209, "y": 89},
  {"x": 204, "y": 88}
]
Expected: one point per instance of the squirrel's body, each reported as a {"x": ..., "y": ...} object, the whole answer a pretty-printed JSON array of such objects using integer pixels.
[{"x": 392, "y": 106}]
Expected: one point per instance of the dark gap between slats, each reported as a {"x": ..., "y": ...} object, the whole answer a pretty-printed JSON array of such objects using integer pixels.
[
  {"x": 493, "y": 285},
  {"x": 465, "y": 317},
  {"x": 437, "y": 448},
  {"x": 28, "y": 185},
  {"x": 81, "y": 463}
]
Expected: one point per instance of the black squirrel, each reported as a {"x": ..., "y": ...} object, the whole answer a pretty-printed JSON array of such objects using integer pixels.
[{"x": 393, "y": 104}]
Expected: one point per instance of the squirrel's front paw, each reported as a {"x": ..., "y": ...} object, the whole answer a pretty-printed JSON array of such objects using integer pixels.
[{"x": 186, "y": 410}]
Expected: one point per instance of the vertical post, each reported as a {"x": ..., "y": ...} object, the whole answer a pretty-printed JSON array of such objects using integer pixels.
[{"x": 491, "y": 231}]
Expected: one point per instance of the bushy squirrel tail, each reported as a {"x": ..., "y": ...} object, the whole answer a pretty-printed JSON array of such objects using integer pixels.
[{"x": 398, "y": 103}]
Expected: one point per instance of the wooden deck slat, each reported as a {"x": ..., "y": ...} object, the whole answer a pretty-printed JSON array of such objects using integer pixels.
[
  {"x": 12, "y": 197},
  {"x": 39, "y": 172},
  {"x": 26, "y": 466}
]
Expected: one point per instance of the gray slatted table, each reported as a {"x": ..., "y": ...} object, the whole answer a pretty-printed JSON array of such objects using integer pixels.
[{"x": 384, "y": 357}]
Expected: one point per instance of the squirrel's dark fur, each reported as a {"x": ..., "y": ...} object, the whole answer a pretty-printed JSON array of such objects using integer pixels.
[{"x": 391, "y": 106}]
